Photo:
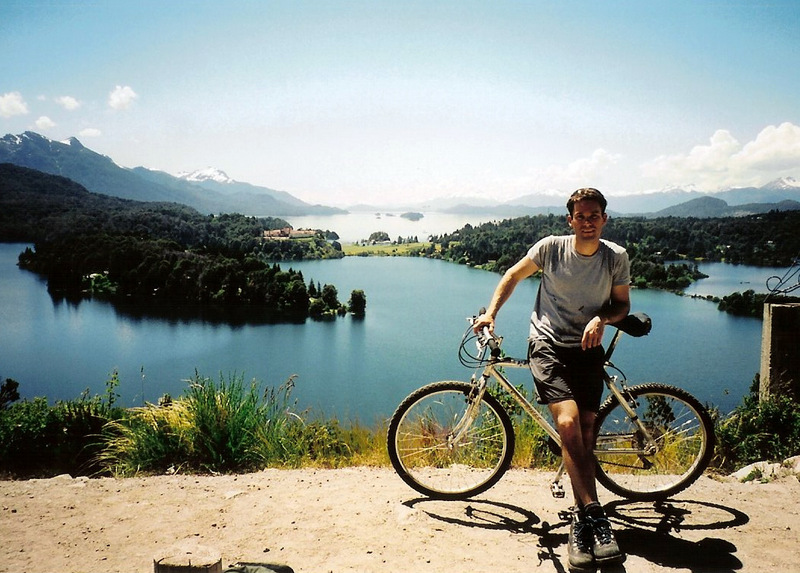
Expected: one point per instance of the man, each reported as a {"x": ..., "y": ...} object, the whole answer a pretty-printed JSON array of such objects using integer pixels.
[{"x": 584, "y": 286}]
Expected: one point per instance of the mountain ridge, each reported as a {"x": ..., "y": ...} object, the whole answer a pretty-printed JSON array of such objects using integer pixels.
[
  {"x": 100, "y": 174},
  {"x": 211, "y": 190}
]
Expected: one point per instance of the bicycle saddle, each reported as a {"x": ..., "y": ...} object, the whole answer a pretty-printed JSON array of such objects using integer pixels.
[{"x": 636, "y": 324}]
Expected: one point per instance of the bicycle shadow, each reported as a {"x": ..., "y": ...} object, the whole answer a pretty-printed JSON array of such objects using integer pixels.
[
  {"x": 497, "y": 515},
  {"x": 643, "y": 529},
  {"x": 647, "y": 530}
]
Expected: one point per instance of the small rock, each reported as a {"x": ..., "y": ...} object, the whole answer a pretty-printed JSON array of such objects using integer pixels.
[
  {"x": 758, "y": 471},
  {"x": 793, "y": 465}
]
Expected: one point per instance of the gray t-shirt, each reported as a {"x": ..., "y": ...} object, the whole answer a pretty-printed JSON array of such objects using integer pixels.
[{"x": 574, "y": 287}]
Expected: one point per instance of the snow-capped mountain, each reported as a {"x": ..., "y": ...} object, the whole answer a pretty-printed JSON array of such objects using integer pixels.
[
  {"x": 209, "y": 191},
  {"x": 784, "y": 183},
  {"x": 207, "y": 174}
]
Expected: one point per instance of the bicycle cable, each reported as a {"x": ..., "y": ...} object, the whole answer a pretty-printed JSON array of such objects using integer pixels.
[{"x": 466, "y": 356}]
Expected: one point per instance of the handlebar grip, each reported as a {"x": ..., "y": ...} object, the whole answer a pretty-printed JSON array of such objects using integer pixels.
[{"x": 491, "y": 342}]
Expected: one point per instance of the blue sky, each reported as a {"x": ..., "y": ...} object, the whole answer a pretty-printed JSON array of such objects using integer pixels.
[{"x": 339, "y": 102}]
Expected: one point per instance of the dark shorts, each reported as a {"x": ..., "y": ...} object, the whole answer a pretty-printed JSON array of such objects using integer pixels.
[{"x": 567, "y": 373}]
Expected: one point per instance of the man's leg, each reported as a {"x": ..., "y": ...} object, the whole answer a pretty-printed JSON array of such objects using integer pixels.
[
  {"x": 575, "y": 453},
  {"x": 604, "y": 544},
  {"x": 577, "y": 432}
]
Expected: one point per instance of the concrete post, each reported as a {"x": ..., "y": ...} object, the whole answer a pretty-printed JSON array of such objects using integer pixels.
[
  {"x": 188, "y": 557},
  {"x": 780, "y": 351}
]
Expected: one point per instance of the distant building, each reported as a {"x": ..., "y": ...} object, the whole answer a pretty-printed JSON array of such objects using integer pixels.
[{"x": 289, "y": 233}]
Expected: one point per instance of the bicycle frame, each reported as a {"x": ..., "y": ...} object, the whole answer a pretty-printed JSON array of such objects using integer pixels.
[
  {"x": 491, "y": 370},
  {"x": 450, "y": 440}
]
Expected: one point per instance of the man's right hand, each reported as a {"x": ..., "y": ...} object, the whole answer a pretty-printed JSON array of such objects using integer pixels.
[{"x": 484, "y": 320}]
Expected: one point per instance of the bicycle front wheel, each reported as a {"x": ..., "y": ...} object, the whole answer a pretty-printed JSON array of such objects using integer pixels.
[
  {"x": 682, "y": 442},
  {"x": 446, "y": 445}
]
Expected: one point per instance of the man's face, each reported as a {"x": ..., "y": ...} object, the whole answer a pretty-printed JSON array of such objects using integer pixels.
[{"x": 587, "y": 219}]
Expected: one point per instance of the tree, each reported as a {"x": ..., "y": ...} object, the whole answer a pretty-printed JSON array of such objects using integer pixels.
[
  {"x": 378, "y": 237},
  {"x": 330, "y": 296},
  {"x": 357, "y": 303},
  {"x": 8, "y": 393},
  {"x": 316, "y": 309}
]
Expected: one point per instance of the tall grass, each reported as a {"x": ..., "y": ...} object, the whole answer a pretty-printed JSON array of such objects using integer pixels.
[
  {"x": 40, "y": 439},
  {"x": 228, "y": 426}
]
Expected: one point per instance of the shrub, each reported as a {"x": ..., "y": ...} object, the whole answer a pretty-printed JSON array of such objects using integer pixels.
[
  {"x": 223, "y": 426},
  {"x": 533, "y": 447},
  {"x": 756, "y": 430},
  {"x": 37, "y": 439}
]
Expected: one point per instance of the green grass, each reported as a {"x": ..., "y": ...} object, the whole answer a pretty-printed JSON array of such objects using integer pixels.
[
  {"x": 387, "y": 250},
  {"x": 233, "y": 426},
  {"x": 229, "y": 426}
]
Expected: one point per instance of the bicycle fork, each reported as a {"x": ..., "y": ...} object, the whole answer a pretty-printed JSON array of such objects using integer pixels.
[
  {"x": 474, "y": 402},
  {"x": 650, "y": 445}
]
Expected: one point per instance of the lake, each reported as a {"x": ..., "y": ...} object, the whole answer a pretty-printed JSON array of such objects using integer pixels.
[
  {"x": 349, "y": 368},
  {"x": 354, "y": 227},
  {"x": 724, "y": 279}
]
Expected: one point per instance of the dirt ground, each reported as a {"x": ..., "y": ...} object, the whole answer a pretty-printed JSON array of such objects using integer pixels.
[{"x": 367, "y": 520}]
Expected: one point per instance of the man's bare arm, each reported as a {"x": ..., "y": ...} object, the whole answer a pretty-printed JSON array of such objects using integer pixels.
[
  {"x": 617, "y": 308},
  {"x": 524, "y": 268}
]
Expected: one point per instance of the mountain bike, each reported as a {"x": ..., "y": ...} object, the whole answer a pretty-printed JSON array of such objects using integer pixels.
[{"x": 453, "y": 440}]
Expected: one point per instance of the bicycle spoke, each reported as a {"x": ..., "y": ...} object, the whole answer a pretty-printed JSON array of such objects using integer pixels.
[
  {"x": 446, "y": 446},
  {"x": 681, "y": 434}
]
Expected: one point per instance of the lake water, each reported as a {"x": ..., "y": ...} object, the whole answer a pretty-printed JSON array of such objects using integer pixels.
[
  {"x": 724, "y": 279},
  {"x": 354, "y": 227},
  {"x": 353, "y": 369}
]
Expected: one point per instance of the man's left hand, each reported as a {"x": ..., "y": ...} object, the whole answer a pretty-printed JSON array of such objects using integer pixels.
[{"x": 593, "y": 333}]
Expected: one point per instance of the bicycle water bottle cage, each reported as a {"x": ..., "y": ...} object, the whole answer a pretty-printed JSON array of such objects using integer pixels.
[{"x": 636, "y": 324}]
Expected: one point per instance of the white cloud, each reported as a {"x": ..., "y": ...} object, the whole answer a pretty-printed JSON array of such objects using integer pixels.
[
  {"x": 714, "y": 157},
  {"x": 45, "y": 122},
  {"x": 69, "y": 103},
  {"x": 121, "y": 97},
  {"x": 725, "y": 162},
  {"x": 588, "y": 168},
  {"x": 11, "y": 104},
  {"x": 578, "y": 172},
  {"x": 774, "y": 149},
  {"x": 90, "y": 132}
]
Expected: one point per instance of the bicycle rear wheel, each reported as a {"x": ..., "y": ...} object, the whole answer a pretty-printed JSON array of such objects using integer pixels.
[
  {"x": 445, "y": 446},
  {"x": 683, "y": 436}
]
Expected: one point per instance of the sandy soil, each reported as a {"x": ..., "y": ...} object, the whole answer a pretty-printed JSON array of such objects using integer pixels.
[{"x": 367, "y": 520}]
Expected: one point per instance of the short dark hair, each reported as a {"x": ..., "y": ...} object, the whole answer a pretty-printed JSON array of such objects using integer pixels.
[{"x": 586, "y": 194}]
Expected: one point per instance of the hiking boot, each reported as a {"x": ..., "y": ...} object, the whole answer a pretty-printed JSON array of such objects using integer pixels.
[
  {"x": 579, "y": 546},
  {"x": 604, "y": 545}
]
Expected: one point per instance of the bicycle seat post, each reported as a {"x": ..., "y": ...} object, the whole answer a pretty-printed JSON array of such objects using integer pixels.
[{"x": 612, "y": 345}]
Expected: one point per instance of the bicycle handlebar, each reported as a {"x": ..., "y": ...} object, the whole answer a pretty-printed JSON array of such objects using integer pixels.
[
  {"x": 636, "y": 325},
  {"x": 487, "y": 338}
]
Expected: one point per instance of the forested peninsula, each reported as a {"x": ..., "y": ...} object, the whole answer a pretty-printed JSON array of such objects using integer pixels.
[
  {"x": 663, "y": 251},
  {"x": 88, "y": 243}
]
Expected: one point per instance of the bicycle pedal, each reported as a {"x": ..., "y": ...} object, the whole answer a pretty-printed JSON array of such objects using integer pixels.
[{"x": 557, "y": 490}]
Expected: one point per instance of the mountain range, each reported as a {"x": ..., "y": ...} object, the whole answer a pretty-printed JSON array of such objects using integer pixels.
[
  {"x": 99, "y": 174},
  {"x": 212, "y": 191},
  {"x": 781, "y": 194}
]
